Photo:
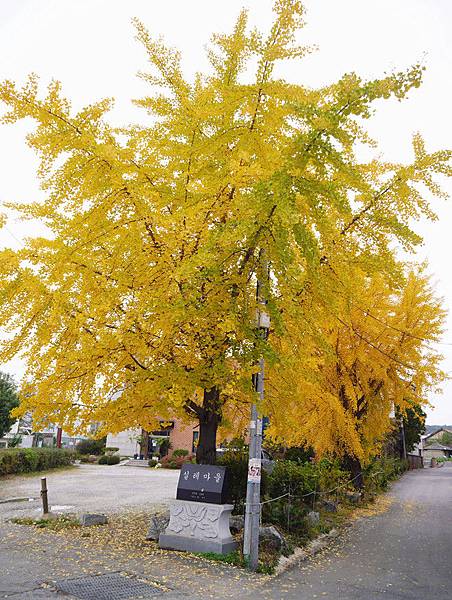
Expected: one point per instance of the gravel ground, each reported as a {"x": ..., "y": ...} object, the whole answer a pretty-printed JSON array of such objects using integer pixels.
[{"x": 90, "y": 488}]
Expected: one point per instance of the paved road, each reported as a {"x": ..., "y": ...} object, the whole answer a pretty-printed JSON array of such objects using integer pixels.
[
  {"x": 404, "y": 553},
  {"x": 95, "y": 488}
]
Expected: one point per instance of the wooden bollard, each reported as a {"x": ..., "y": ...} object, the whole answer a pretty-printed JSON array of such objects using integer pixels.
[{"x": 45, "y": 501}]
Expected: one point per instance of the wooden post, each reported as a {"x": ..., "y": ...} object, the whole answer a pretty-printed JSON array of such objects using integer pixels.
[{"x": 45, "y": 502}]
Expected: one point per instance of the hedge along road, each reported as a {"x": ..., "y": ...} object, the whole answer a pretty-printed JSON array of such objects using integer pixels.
[
  {"x": 401, "y": 553},
  {"x": 97, "y": 488}
]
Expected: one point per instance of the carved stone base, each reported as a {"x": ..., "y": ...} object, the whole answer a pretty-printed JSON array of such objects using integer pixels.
[{"x": 198, "y": 527}]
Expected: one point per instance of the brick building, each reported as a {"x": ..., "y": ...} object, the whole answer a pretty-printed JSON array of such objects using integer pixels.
[{"x": 138, "y": 442}]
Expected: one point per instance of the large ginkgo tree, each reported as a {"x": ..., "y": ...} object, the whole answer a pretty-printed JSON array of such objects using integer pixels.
[{"x": 140, "y": 302}]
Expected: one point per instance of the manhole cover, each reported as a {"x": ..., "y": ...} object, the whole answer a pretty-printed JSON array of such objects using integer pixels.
[{"x": 112, "y": 586}]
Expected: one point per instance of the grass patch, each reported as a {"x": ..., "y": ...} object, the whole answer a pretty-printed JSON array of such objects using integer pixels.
[
  {"x": 31, "y": 474},
  {"x": 46, "y": 472},
  {"x": 56, "y": 524},
  {"x": 267, "y": 559},
  {"x": 232, "y": 558}
]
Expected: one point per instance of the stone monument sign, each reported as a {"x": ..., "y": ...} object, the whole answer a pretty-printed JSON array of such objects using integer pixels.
[
  {"x": 199, "y": 517},
  {"x": 202, "y": 483}
]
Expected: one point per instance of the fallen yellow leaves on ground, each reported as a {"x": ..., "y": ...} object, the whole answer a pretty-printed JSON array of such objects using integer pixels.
[{"x": 379, "y": 506}]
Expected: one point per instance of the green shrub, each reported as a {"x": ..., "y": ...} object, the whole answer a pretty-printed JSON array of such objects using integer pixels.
[
  {"x": 26, "y": 460},
  {"x": 109, "y": 459},
  {"x": 331, "y": 476},
  {"x": 236, "y": 463},
  {"x": 180, "y": 452},
  {"x": 294, "y": 478},
  {"x": 96, "y": 447},
  {"x": 15, "y": 441},
  {"x": 88, "y": 458},
  {"x": 288, "y": 514},
  {"x": 30, "y": 460},
  {"x": 176, "y": 462},
  {"x": 441, "y": 459},
  {"x": 303, "y": 482},
  {"x": 299, "y": 454},
  {"x": 381, "y": 471}
]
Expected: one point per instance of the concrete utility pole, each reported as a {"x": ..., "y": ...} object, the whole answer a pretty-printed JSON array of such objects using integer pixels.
[
  {"x": 402, "y": 430},
  {"x": 253, "y": 489}
]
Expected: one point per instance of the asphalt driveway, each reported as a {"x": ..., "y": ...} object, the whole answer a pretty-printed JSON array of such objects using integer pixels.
[
  {"x": 85, "y": 488},
  {"x": 403, "y": 553}
]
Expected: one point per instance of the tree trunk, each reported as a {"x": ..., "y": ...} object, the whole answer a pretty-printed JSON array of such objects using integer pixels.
[
  {"x": 209, "y": 417},
  {"x": 144, "y": 444},
  {"x": 353, "y": 465}
]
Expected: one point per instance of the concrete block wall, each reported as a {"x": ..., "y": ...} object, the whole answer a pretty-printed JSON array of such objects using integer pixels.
[{"x": 126, "y": 441}]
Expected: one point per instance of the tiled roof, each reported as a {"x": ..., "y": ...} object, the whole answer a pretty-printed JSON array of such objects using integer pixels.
[{"x": 429, "y": 435}]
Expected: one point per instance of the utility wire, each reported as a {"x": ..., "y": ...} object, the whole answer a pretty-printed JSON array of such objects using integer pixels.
[{"x": 14, "y": 236}]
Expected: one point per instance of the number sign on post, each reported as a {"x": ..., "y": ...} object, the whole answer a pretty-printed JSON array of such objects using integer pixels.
[
  {"x": 254, "y": 470},
  {"x": 202, "y": 483}
]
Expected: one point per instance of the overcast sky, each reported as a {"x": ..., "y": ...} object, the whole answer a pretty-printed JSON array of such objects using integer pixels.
[{"x": 89, "y": 45}]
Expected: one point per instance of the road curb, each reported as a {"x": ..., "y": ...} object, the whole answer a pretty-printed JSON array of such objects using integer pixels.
[
  {"x": 302, "y": 554},
  {"x": 21, "y": 499}
]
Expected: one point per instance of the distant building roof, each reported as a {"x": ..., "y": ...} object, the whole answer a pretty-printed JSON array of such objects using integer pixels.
[{"x": 429, "y": 435}]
